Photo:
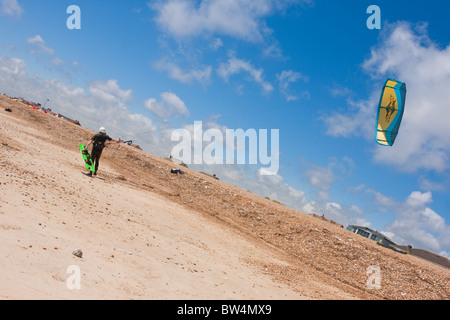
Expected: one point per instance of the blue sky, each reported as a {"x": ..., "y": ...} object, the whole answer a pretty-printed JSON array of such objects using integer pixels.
[{"x": 309, "y": 68}]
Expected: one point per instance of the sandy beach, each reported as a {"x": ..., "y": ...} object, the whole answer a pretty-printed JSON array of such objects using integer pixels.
[{"x": 148, "y": 234}]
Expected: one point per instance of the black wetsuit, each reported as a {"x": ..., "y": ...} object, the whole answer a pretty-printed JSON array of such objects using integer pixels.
[{"x": 97, "y": 148}]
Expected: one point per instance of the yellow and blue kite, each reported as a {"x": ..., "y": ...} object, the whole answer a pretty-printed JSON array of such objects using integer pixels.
[{"x": 390, "y": 112}]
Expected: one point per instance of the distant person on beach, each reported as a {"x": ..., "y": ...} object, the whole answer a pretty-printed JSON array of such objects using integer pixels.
[{"x": 98, "y": 141}]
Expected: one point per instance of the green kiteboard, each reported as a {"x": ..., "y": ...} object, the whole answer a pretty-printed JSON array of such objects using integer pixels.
[{"x": 87, "y": 158}]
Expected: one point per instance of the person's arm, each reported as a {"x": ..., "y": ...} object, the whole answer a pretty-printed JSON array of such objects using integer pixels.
[
  {"x": 109, "y": 139},
  {"x": 89, "y": 143}
]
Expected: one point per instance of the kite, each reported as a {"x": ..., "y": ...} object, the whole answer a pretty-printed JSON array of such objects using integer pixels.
[{"x": 390, "y": 112}]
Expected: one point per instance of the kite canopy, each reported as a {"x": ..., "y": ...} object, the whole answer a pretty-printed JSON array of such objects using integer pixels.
[{"x": 390, "y": 112}]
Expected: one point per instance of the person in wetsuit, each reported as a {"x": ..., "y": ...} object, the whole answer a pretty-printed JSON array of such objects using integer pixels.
[{"x": 98, "y": 143}]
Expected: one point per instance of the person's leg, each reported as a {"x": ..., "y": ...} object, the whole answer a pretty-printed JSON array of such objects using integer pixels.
[
  {"x": 97, "y": 153},
  {"x": 94, "y": 155}
]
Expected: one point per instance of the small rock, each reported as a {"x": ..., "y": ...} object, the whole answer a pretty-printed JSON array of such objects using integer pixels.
[{"x": 78, "y": 253}]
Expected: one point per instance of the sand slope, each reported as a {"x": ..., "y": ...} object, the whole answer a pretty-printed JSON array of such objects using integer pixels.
[{"x": 148, "y": 234}]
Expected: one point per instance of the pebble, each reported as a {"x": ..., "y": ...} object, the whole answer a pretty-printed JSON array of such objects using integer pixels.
[{"x": 78, "y": 253}]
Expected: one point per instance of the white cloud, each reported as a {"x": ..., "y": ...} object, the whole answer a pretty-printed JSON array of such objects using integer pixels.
[
  {"x": 415, "y": 222},
  {"x": 338, "y": 91},
  {"x": 357, "y": 123},
  {"x": 236, "y": 18},
  {"x": 241, "y": 19},
  {"x": 11, "y": 8},
  {"x": 13, "y": 67},
  {"x": 110, "y": 92},
  {"x": 106, "y": 105},
  {"x": 273, "y": 178},
  {"x": 216, "y": 44},
  {"x": 341, "y": 214},
  {"x": 273, "y": 51},
  {"x": 236, "y": 66},
  {"x": 320, "y": 177},
  {"x": 271, "y": 186},
  {"x": 418, "y": 199},
  {"x": 356, "y": 209},
  {"x": 408, "y": 54},
  {"x": 57, "y": 61},
  {"x": 285, "y": 78},
  {"x": 170, "y": 105},
  {"x": 430, "y": 185},
  {"x": 103, "y": 104},
  {"x": 40, "y": 44},
  {"x": 201, "y": 75}
]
